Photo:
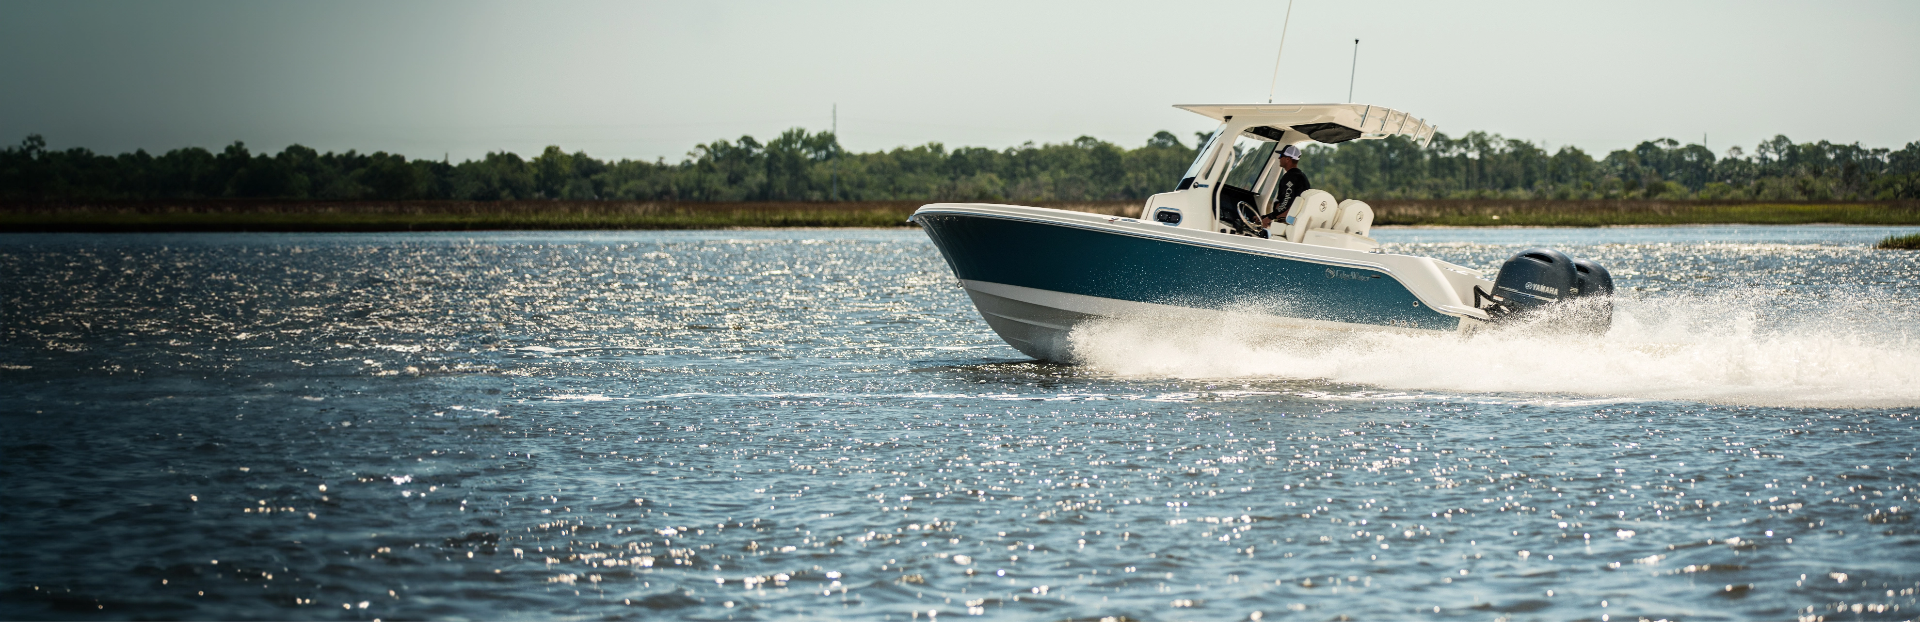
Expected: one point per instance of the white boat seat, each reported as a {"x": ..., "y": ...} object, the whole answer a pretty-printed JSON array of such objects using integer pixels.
[
  {"x": 1318, "y": 220},
  {"x": 1354, "y": 217},
  {"x": 1314, "y": 209}
]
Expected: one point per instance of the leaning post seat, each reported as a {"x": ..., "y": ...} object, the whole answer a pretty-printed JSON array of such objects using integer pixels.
[
  {"x": 1319, "y": 220},
  {"x": 1314, "y": 209},
  {"x": 1355, "y": 217}
]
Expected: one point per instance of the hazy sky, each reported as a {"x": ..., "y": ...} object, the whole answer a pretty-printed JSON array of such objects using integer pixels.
[{"x": 647, "y": 80}]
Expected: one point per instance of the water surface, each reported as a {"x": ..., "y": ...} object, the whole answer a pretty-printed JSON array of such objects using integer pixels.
[{"x": 817, "y": 425}]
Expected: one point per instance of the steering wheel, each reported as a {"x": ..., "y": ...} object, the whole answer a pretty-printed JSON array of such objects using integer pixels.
[{"x": 1249, "y": 218}]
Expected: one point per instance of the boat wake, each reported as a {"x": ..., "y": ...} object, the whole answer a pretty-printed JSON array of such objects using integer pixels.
[{"x": 1744, "y": 350}]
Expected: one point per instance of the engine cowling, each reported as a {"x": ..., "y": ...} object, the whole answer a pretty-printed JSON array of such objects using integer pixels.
[
  {"x": 1593, "y": 311},
  {"x": 1578, "y": 292},
  {"x": 1592, "y": 279},
  {"x": 1535, "y": 278}
]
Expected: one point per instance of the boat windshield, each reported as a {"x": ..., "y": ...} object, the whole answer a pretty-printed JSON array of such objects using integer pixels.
[
  {"x": 1250, "y": 157},
  {"x": 1200, "y": 158}
]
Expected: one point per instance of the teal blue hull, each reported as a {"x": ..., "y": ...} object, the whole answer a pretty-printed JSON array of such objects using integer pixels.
[{"x": 1070, "y": 259}]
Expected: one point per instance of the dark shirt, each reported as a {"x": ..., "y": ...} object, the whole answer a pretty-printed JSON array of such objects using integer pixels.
[{"x": 1291, "y": 185}]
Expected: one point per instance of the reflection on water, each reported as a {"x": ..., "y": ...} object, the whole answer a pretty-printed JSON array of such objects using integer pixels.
[{"x": 747, "y": 425}]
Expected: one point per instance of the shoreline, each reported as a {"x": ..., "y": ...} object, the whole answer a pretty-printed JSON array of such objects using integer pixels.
[
  {"x": 401, "y": 216},
  {"x": 1899, "y": 240},
  {"x": 1655, "y": 225}
]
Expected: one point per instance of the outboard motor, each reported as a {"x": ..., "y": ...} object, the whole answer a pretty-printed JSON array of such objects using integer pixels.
[
  {"x": 1540, "y": 278},
  {"x": 1594, "y": 285},
  {"x": 1533, "y": 279}
]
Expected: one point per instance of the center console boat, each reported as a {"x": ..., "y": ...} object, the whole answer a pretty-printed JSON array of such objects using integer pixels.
[{"x": 1198, "y": 253}]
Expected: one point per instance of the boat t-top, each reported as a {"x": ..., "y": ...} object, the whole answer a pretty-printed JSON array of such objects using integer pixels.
[{"x": 1200, "y": 250}]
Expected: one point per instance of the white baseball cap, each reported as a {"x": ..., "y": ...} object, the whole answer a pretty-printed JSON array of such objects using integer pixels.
[{"x": 1290, "y": 151}]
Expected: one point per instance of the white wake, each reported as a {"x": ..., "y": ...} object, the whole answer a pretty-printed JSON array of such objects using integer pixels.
[{"x": 1728, "y": 350}]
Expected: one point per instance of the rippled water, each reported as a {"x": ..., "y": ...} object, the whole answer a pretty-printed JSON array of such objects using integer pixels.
[{"x": 816, "y": 424}]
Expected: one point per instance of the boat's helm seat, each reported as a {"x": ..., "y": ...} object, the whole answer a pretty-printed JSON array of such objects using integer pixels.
[
  {"x": 1314, "y": 209},
  {"x": 1355, "y": 217},
  {"x": 1319, "y": 220}
]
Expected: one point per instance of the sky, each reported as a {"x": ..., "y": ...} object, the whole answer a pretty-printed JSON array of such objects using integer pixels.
[{"x": 641, "y": 80}]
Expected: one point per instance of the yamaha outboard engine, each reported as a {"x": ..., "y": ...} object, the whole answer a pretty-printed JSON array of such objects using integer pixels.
[
  {"x": 1594, "y": 286},
  {"x": 1535, "y": 278},
  {"x": 1539, "y": 278}
]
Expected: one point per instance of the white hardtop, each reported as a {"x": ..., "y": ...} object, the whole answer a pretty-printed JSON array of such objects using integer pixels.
[{"x": 1327, "y": 123}]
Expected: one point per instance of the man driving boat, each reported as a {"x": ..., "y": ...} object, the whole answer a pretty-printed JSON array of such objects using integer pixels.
[{"x": 1290, "y": 186}]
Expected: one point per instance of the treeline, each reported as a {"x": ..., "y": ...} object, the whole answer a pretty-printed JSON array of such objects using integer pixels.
[
  {"x": 811, "y": 166},
  {"x": 1487, "y": 166}
]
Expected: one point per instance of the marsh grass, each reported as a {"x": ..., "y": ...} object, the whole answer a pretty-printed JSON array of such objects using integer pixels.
[
  {"x": 247, "y": 215},
  {"x": 220, "y": 215},
  {"x": 225, "y": 215},
  {"x": 1601, "y": 213},
  {"x": 1900, "y": 243}
]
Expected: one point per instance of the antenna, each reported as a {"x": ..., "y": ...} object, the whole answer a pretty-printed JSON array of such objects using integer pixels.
[
  {"x": 1353, "y": 71},
  {"x": 833, "y": 172},
  {"x": 1276, "y": 53}
]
